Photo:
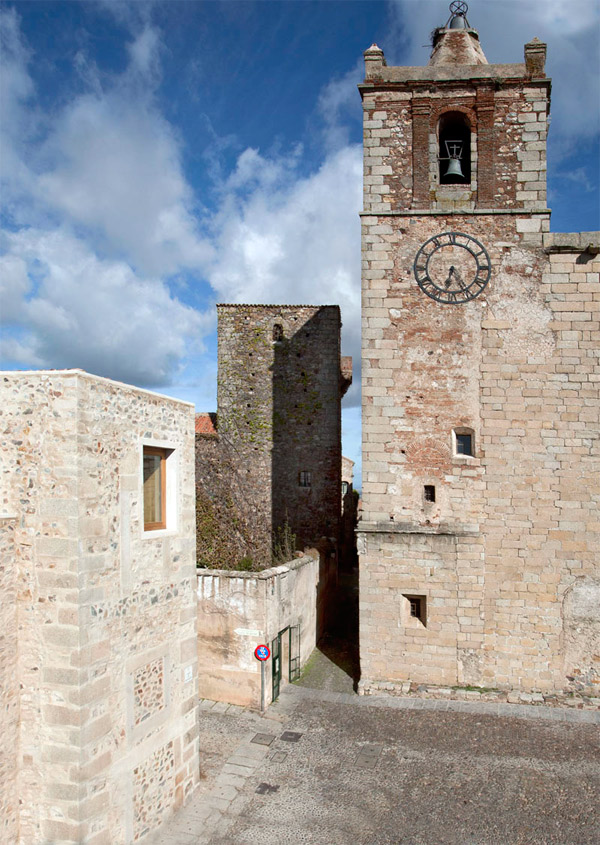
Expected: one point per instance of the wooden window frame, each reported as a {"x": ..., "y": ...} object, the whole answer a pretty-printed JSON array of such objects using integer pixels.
[{"x": 162, "y": 453}]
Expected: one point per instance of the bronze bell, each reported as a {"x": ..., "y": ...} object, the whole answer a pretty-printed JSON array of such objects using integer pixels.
[
  {"x": 454, "y": 168},
  {"x": 454, "y": 150}
]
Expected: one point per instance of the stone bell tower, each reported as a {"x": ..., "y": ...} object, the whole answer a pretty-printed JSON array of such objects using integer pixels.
[{"x": 465, "y": 390}]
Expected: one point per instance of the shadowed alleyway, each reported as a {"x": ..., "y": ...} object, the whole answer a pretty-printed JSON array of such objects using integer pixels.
[{"x": 334, "y": 665}]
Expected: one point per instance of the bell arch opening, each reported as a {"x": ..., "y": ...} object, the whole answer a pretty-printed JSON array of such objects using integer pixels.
[{"x": 454, "y": 133}]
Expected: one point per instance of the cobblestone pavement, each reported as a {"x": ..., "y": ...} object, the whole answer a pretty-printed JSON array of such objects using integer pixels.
[{"x": 327, "y": 768}]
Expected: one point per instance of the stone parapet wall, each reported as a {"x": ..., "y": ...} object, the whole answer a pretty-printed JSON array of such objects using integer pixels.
[
  {"x": 239, "y": 610},
  {"x": 107, "y": 632}
]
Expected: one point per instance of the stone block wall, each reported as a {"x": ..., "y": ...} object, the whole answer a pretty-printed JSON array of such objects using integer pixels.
[
  {"x": 106, "y": 610},
  {"x": 509, "y": 599},
  {"x": 239, "y": 610},
  {"x": 279, "y": 394},
  {"x": 9, "y": 686}
]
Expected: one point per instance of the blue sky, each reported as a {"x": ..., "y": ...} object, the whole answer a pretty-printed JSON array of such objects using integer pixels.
[{"x": 158, "y": 158}]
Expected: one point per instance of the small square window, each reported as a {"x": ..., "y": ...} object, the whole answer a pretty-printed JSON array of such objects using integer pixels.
[
  {"x": 429, "y": 493},
  {"x": 418, "y": 608},
  {"x": 155, "y": 488},
  {"x": 304, "y": 479},
  {"x": 464, "y": 444}
]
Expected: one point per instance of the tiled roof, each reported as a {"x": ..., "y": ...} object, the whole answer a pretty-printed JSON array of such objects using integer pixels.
[{"x": 206, "y": 424}]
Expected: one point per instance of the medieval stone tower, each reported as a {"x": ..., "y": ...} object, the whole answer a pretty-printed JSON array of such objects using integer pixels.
[
  {"x": 479, "y": 541},
  {"x": 281, "y": 381}
]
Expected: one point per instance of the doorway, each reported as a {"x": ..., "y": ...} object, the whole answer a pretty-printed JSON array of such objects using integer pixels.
[{"x": 285, "y": 657}]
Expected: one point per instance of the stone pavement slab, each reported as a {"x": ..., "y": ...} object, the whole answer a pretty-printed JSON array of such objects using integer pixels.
[{"x": 381, "y": 770}]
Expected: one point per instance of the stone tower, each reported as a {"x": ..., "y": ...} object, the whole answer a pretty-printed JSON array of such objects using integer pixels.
[
  {"x": 281, "y": 381},
  {"x": 479, "y": 537}
]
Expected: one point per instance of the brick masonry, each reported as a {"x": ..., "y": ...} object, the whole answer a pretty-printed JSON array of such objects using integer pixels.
[
  {"x": 105, "y": 677},
  {"x": 506, "y": 557}
]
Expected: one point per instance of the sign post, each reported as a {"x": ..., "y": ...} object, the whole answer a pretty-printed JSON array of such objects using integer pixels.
[{"x": 262, "y": 653}]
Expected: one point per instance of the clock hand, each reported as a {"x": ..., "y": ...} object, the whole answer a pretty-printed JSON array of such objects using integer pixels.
[
  {"x": 448, "y": 281},
  {"x": 454, "y": 272}
]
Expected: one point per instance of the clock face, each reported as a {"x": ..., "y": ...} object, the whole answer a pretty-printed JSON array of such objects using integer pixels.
[{"x": 452, "y": 268}]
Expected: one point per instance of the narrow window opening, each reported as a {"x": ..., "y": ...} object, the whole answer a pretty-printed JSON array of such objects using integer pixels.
[
  {"x": 277, "y": 332},
  {"x": 454, "y": 149},
  {"x": 304, "y": 479},
  {"x": 418, "y": 608},
  {"x": 155, "y": 488},
  {"x": 429, "y": 493}
]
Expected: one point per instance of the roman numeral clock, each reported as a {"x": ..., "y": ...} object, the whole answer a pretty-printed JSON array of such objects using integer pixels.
[{"x": 452, "y": 268}]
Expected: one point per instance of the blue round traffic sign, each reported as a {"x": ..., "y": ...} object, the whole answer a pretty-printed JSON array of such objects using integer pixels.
[{"x": 262, "y": 652}]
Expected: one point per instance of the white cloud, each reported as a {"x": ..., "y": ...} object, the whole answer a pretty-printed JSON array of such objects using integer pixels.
[
  {"x": 571, "y": 30},
  {"x": 338, "y": 105},
  {"x": 291, "y": 239},
  {"x": 96, "y": 314},
  {"x": 14, "y": 286},
  {"x": 100, "y": 216},
  {"x": 144, "y": 50},
  {"x": 579, "y": 177},
  {"x": 113, "y": 165},
  {"x": 18, "y": 117},
  {"x": 117, "y": 172}
]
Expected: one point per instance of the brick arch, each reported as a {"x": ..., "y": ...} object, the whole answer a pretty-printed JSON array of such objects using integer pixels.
[
  {"x": 444, "y": 108},
  {"x": 428, "y": 453}
]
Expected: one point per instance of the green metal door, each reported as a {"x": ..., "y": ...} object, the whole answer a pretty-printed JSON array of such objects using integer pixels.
[
  {"x": 276, "y": 666},
  {"x": 294, "y": 653}
]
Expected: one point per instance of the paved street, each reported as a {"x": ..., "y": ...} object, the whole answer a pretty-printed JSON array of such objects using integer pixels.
[{"x": 331, "y": 768}]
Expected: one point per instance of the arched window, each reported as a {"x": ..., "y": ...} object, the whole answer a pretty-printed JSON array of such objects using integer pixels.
[
  {"x": 277, "y": 332},
  {"x": 454, "y": 149}
]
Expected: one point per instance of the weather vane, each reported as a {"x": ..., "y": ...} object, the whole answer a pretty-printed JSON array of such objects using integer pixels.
[
  {"x": 458, "y": 15},
  {"x": 459, "y": 8}
]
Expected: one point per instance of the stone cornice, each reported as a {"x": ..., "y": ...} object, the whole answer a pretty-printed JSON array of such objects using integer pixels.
[
  {"x": 473, "y": 212},
  {"x": 444, "y": 528}
]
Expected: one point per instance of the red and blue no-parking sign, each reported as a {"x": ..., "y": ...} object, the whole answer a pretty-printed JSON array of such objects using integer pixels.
[{"x": 262, "y": 652}]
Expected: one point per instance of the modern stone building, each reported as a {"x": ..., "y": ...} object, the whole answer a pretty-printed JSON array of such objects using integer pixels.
[
  {"x": 479, "y": 542},
  {"x": 98, "y": 665},
  {"x": 280, "y": 385}
]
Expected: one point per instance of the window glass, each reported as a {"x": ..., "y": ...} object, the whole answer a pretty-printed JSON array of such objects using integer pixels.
[
  {"x": 464, "y": 444},
  {"x": 154, "y": 488}
]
